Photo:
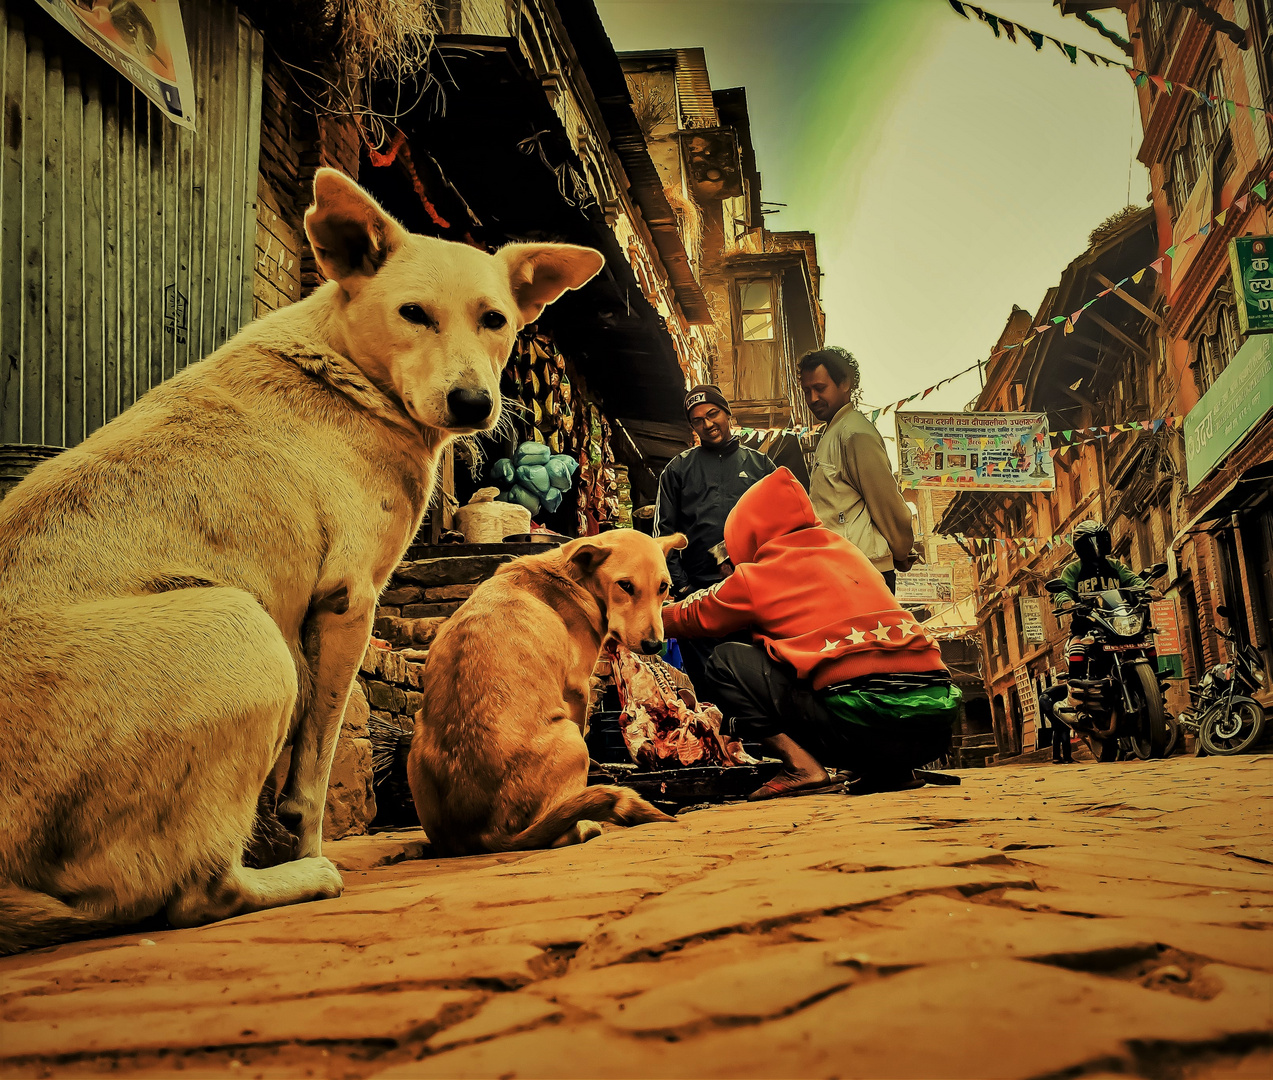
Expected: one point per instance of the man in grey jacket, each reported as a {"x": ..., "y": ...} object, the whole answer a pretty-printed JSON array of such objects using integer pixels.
[{"x": 852, "y": 486}]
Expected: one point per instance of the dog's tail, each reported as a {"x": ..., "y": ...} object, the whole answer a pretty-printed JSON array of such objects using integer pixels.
[
  {"x": 30, "y": 920},
  {"x": 602, "y": 802}
]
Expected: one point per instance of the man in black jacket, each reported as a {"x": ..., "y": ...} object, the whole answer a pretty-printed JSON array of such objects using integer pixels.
[{"x": 697, "y": 491}]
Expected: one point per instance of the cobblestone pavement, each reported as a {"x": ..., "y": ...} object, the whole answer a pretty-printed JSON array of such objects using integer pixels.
[{"x": 1034, "y": 922}]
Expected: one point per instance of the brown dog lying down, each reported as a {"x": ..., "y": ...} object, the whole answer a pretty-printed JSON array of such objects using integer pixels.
[{"x": 498, "y": 760}]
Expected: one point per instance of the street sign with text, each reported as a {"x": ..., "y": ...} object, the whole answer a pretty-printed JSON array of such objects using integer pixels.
[
  {"x": 1232, "y": 407},
  {"x": 1251, "y": 260}
]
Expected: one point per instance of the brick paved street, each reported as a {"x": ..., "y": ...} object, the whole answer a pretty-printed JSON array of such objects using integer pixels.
[{"x": 1034, "y": 922}]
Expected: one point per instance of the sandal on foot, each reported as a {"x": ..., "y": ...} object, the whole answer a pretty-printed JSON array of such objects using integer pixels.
[
  {"x": 777, "y": 789},
  {"x": 872, "y": 785}
]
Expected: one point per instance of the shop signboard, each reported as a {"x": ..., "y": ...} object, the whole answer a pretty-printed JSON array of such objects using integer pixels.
[
  {"x": 1251, "y": 260},
  {"x": 1032, "y": 619},
  {"x": 1233, "y": 406},
  {"x": 926, "y": 583},
  {"x": 1025, "y": 692},
  {"x": 989, "y": 451},
  {"x": 144, "y": 40},
  {"x": 1164, "y": 616}
]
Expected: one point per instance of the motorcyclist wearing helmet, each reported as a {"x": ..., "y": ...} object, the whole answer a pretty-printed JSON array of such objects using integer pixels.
[{"x": 1092, "y": 572}]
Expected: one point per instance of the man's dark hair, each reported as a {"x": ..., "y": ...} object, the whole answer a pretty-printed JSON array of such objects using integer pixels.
[{"x": 840, "y": 365}]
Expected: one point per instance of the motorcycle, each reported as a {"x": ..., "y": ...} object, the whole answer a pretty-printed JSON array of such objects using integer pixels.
[
  {"x": 1120, "y": 698},
  {"x": 1223, "y": 716}
]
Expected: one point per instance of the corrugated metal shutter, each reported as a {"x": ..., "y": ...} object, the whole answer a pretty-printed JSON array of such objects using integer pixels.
[
  {"x": 128, "y": 242},
  {"x": 694, "y": 89}
]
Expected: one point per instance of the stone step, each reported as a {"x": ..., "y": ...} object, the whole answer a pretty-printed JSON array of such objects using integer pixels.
[{"x": 453, "y": 570}]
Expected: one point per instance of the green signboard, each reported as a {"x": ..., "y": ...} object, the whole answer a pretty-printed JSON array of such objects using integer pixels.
[
  {"x": 1251, "y": 259},
  {"x": 1233, "y": 406}
]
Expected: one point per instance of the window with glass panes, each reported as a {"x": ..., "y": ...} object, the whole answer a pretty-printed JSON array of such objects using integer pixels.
[
  {"x": 756, "y": 305},
  {"x": 1201, "y": 132},
  {"x": 1218, "y": 343}
]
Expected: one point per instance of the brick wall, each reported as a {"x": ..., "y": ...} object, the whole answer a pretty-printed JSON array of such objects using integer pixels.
[{"x": 294, "y": 144}]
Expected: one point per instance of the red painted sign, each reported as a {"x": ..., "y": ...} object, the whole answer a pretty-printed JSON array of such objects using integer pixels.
[{"x": 1164, "y": 617}]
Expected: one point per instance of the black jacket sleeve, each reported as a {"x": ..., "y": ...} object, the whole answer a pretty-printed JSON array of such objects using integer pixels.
[{"x": 667, "y": 520}]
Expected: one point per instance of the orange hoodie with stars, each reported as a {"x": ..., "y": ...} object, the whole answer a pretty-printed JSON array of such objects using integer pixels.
[{"x": 810, "y": 597}]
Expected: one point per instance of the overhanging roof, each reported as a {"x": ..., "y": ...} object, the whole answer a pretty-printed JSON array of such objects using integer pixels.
[
  {"x": 604, "y": 73},
  {"x": 503, "y": 150}
]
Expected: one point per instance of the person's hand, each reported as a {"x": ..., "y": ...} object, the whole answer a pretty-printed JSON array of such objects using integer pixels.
[{"x": 905, "y": 564}]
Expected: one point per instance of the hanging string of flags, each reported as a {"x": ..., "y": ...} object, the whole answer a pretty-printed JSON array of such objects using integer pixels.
[
  {"x": 1079, "y": 436},
  {"x": 877, "y": 413},
  {"x": 1070, "y": 437},
  {"x": 998, "y": 23}
]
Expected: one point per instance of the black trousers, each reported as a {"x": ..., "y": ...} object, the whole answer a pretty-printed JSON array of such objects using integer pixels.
[
  {"x": 890, "y": 579},
  {"x": 1048, "y": 700},
  {"x": 763, "y": 697},
  {"x": 695, "y": 652}
]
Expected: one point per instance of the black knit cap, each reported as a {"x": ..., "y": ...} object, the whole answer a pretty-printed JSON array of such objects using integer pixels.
[{"x": 706, "y": 394}]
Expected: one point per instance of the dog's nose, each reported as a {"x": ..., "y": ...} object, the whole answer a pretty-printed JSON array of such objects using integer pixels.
[
  {"x": 468, "y": 406},
  {"x": 650, "y": 646}
]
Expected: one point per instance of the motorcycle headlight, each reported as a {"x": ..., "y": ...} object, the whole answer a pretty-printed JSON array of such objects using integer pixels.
[{"x": 1127, "y": 625}]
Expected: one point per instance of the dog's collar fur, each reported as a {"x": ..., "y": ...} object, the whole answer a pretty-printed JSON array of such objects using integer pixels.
[{"x": 346, "y": 377}]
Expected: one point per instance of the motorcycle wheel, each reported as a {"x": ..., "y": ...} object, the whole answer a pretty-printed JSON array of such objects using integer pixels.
[
  {"x": 1232, "y": 732},
  {"x": 1153, "y": 733},
  {"x": 1175, "y": 742}
]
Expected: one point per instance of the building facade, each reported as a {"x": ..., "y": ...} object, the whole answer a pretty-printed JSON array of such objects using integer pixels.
[{"x": 762, "y": 286}]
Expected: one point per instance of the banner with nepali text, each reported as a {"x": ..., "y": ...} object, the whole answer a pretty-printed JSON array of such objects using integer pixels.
[{"x": 988, "y": 451}]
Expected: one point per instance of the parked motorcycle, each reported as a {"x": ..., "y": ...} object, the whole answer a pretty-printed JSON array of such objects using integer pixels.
[
  {"x": 1120, "y": 696},
  {"x": 1223, "y": 716}
]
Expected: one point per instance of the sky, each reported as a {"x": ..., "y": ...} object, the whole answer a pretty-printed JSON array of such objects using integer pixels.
[{"x": 947, "y": 174}]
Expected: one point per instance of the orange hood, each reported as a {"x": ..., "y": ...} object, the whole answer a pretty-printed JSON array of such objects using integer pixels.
[{"x": 775, "y": 506}]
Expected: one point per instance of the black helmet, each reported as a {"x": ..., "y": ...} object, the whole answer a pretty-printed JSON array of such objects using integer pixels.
[{"x": 1091, "y": 541}]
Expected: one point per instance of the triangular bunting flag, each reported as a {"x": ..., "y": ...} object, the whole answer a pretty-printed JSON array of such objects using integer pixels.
[
  {"x": 1035, "y": 38},
  {"x": 991, "y": 20},
  {"x": 1071, "y": 51},
  {"x": 1241, "y": 203},
  {"x": 1137, "y": 276},
  {"x": 1260, "y": 190},
  {"x": 1157, "y": 424},
  {"x": 1157, "y": 265},
  {"x": 1171, "y": 252},
  {"x": 1009, "y": 29},
  {"x": 959, "y": 8},
  {"x": 1159, "y": 82}
]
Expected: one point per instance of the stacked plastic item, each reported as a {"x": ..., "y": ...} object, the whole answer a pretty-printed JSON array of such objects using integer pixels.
[{"x": 534, "y": 477}]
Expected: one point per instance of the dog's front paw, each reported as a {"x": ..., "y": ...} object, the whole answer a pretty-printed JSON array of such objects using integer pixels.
[
  {"x": 588, "y": 830},
  {"x": 327, "y": 882}
]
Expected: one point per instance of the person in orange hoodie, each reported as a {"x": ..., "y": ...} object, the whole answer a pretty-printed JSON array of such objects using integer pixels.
[{"x": 839, "y": 673}]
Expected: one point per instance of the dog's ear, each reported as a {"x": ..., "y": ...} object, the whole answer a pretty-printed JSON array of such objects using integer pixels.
[
  {"x": 540, "y": 273},
  {"x": 671, "y": 543},
  {"x": 585, "y": 554},
  {"x": 350, "y": 234}
]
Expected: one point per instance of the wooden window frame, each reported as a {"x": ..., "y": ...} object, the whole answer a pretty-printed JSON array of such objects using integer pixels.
[{"x": 771, "y": 310}]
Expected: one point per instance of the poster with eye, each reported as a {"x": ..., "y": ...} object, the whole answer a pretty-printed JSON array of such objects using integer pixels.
[
  {"x": 144, "y": 40},
  {"x": 987, "y": 451}
]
